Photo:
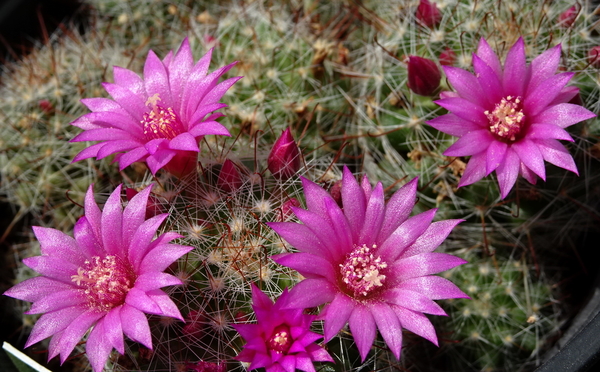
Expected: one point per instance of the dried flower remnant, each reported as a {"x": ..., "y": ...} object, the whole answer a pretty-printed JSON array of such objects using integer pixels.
[
  {"x": 284, "y": 159},
  {"x": 159, "y": 119},
  {"x": 281, "y": 339},
  {"x": 369, "y": 261},
  {"x": 106, "y": 277},
  {"x": 509, "y": 119},
  {"x": 423, "y": 76}
]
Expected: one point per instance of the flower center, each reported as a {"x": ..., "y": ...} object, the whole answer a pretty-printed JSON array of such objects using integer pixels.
[
  {"x": 160, "y": 121},
  {"x": 361, "y": 271},
  {"x": 281, "y": 340},
  {"x": 106, "y": 282},
  {"x": 507, "y": 119}
]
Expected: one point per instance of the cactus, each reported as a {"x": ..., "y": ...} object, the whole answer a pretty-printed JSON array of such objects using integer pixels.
[{"x": 336, "y": 75}]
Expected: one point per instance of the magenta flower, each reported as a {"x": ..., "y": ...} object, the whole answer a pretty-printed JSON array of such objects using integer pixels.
[
  {"x": 369, "y": 261},
  {"x": 281, "y": 340},
  {"x": 159, "y": 119},
  {"x": 510, "y": 119},
  {"x": 106, "y": 277}
]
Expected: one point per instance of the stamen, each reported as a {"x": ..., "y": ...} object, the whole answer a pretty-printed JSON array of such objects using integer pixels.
[
  {"x": 106, "y": 282},
  {"x": 281, "y": 340},
  {"x": 507, "y": 119},
  {"x": 361, "y": 272},
  {"x": 160, "y": 121}
]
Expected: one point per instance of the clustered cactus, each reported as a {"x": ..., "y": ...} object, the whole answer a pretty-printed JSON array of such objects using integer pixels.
[{"x": 325, "y": 85}]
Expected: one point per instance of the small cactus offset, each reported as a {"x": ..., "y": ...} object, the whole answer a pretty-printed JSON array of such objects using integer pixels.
[{"x": 303, "y": 185}]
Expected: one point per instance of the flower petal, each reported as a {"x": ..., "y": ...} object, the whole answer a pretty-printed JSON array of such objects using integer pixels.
[
  {"x": 398, "y": 209},
  {"x": 543, "y": 67},
  {"x": 406, "y": 234},
  {"x": 453, "y": 125},
  {"x": 530, "y": 155},
  {"x": 362, "y": 326},
  {"x": 563, "y": 115},
  {"x": 547, "y": 131},
  {"x": 515, "y": 70},
  {"x": 354, "y": 202},
  {"x": 300, "y": 237},
  {"x": 475, "y": 169},
  {"x": 435, "y": 234},
  {"x": 111, "y": 221},
  {"x": 471, "y": 143},
  {"x": 417, "y": 323},
  {"x": 412, "y": 300},
  {"x": 311, "y": 293},
  {"x": 389, "y": 327},
  {"x": 495, "y": 156},
  {"x": 433, "y": 287},
  {"x": 337, "y": 314},
  {"x": 373, "y": 217},
  {"x": 135, "y": 325},
  {"x": 307, "y": 265},
  {"x": 424, "y": 264},
  {"x": 466, "y": 85},
  {"x": 545, "y": 93},
  {"x": 507, "y": 172},
  {"x": 464, "y": 109},
  {"x": 555, "y": 153}
]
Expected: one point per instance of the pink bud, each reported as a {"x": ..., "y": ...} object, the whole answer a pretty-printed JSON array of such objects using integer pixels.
[
  {"x": 194, "y": 324},
  {"x": 230, "y": 178},
  {"x": 46, "y": 106},
  {"x": 594, "y": 56},
  {"x": 336, "y": 192},
  {"x": 284, "y": 159},
  {"x": 447, "y": 57},
  {"x": 423, "y": 76},
  {"x": 567, "y": 18},
  {"x": 286, "y": 208},
  {"x": 153, "y": 207},
  {"x": 428, "y": 14}
]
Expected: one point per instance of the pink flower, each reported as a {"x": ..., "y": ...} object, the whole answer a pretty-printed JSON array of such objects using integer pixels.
[
  {"x": 159, "y": 119},
  {"x": 428, "y": 14},
  {"x": 281, "y": 339},
  {"x": 106, "y": 277},
  {"x": 510, "y": 119},
  {"x": 369, "y": 261},
  {"x": 423, "y": 76},
  {"x": 284, "y": 159}
]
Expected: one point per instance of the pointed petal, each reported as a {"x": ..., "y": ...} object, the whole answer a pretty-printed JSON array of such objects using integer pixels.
[
  {"x": 435, "y": 234},
  {"x": 311, "y": 293},
  {"x": 563, "y": 115},
  {"x": 515, "y": 70},
  {"x": 98, "y": 347},
  {"x": 58, "y": 244},
  {"x": 156, "y": 79},
  {"x": 373, "y": 217},
  {"x": 545, "y": 93},
  {"x": 406, "y": 234},
  {"x": 487, "y": 55},
  {"x": 185, "y": 142},
  {"x": 397, "y": 209},
  {"x": 464, "y": 109},
  {"x": 547, "y": 131},
  {"x": 135, "y": 325},
  {"x": 354, "y": 202},
  {"x": 417, "y": 323},
  {"x": 412, "y": 300},
  {"x": 424, "y": 264},
  {"x": 307, "y": 265},
  {"x": 453, "y": 125},
  {"x": 466, "y": 85},
  {"x": 389, "y": 327},
  {"x": 507, "y": 172},
  {"x": 362, "y": 326},
  {"x": 337, "y": 314},
  {"x": 495, "y": 156},
  {"x": 111, "y": 222},
  {"x": 489, "y": 81},
  {"x": 134, "y": 214},
  {"x": 300, "y": 237},
  {"x": 471, "y": 143},
  {"x": 530, "y": 155},
  {"x": 543, "y": 67},
  {"x": 52, "y": 323},
  {"x": 475, "y": 169},
  {"x": 434, "y": 287},
  {"x": 555, "y": 153}
]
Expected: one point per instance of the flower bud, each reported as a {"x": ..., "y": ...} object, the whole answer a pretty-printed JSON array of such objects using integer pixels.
[
  {"x": 423, "y": 76},
  {"x": 230, "y": 178},
  {"x": 284, "y": 159},
  {"x": 428, "y": 14},
  {"x": 567, "y": 18},
  {"x": 447, "y": 57},
  {"x": 46, "y": 106},
  {"x": 153, "y": 206},
  {"x": 286, "y": 208},
  {"x": 594, "y": 56}
]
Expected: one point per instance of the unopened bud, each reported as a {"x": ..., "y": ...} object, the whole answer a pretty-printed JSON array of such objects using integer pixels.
[
  {"x": 594, "y": 56},
  {"x": 284, "y": 159},
  {"x": 447, "y": 57},
  {"x": 230, "y": 178},
  {"x": 153, "y": 207},
  {"x": 567, "y": 18},
  {"x": 286, "y": 208},
  {"x": 423, "y": 76},
  {"x": 428, "y": 14}
]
